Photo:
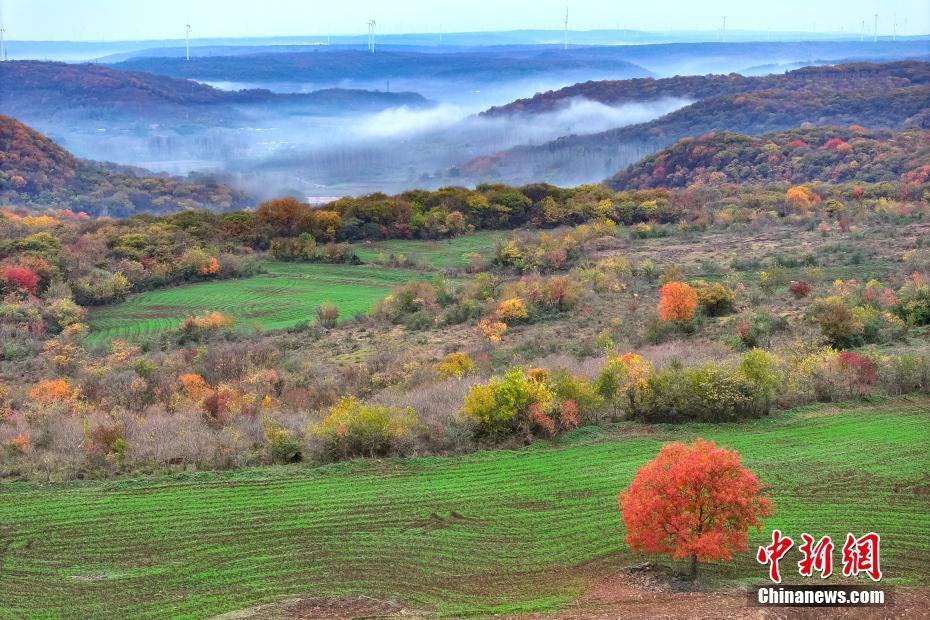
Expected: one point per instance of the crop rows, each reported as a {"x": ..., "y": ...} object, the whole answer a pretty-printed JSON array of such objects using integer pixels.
[
  {"x": 498, "y": 531},
  {"x": 447, "y": 253},
  {"x": 284, "y": 296}
]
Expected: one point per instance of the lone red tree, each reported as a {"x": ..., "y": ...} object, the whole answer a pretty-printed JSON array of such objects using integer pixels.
[{"x": 693, "y": 501}]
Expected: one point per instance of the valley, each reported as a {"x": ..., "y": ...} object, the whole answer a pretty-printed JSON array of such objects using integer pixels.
[{"x": 514, "y": 318}]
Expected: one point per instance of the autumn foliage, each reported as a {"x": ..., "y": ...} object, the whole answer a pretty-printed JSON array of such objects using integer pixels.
[
  {"x": 206, "y": 322},
  {"x": 677, "y": 302},
  {"x": 694, "y": 502},
  {"x": 22, "y": 278}
]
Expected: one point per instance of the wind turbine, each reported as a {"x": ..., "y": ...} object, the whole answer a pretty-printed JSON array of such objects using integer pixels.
[
  {"x": 2, "y": 35},
  {"x": 187, "y": 41},
  {"x": 723, "y": 31},
  {"x": 565, "y": 43},
  {"x": 371, "y": 35},
  {"x": 876, "y": 27}
]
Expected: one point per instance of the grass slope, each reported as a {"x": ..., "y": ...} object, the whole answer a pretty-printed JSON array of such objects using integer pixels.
[
  {"x": 492, "y": 532},
  {"x": 287, "y": 294},
  {"x": 447, "y": 253}
]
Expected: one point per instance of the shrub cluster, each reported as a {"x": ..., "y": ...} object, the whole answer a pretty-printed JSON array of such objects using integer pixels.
[{"x": 533, "y": 402}]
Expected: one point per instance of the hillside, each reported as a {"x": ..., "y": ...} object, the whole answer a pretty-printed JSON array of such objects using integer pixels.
[
  {"x": 496, "y": 533},
  {"x": 335, "y": 66},
  {"x": 50, "y": 90},
  {"x": 617, "y": 92},
  {"x": 798, "y": 156},
  {"x": 36, "y": 172},
  {"x": 893, "y": 102}
]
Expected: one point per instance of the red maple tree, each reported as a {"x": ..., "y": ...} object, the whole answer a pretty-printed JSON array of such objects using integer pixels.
[{"x": 694, "y": 502}]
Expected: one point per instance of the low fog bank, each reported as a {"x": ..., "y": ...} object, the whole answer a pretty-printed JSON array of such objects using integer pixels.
[
  {"x": 269, "y": 153},
  {"x": 401, "y": 148}
]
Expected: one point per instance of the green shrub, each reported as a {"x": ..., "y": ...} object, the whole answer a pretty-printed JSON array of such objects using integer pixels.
[
  {"x": 706, "y": 394},
  {"x": 355, "y": 428},
  {"x": 772, "y": 279},
  {"x": 282, "y": 446},
  {"x": 914, "y": 306},
  {"x": 761, "y": 368},
  {"x": 839, "y": 325},
  {"x": 714, "y": 298},
  {"x": 622, "y": 381},
  {"x": 456, "y": 365},
  {"x": 503, "y": 404},
  {"x": 757, "y": 330},
  {"x": 568, "y": 387}
]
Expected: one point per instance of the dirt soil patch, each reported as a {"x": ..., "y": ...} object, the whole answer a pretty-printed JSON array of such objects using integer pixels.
[{"x": 649, "y": 591}]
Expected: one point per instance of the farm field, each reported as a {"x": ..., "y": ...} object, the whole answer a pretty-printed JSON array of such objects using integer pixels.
[
  {"x": 443, "y": 254},
  {"x": 286, "y": 294},
  {"x": 493, "y": 532}
]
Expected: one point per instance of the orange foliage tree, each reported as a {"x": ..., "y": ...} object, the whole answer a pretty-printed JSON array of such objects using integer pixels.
[
  {"x": 677, "y": 302},
  {"x": 801, "y": 197},
  {"x": 694, "y": 502},
  {"x": 50, "y": 391},
  {"x": 211, "y": 268}
]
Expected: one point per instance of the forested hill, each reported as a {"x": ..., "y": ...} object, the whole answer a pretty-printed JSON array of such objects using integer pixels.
[
  {"x": 35, "y": 172},
  {"x": 337, "y": 65},
  {"x": 696, "y": 87},
  {"x": 891, "y": 102},
  {"x": 797, "y": 156},
  {"x": 50, "y": 89}
]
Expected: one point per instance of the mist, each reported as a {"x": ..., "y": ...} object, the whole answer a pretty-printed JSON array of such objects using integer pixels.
[
  {"x": 401, "y": 148},
  {"x": 335, "y": 152}
]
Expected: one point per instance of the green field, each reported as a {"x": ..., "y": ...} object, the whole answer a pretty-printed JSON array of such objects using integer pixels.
[
  {"x": 443, "y": 254},
  {"x": 494, "y": 532},
  {"x": 284, "y": 296}
]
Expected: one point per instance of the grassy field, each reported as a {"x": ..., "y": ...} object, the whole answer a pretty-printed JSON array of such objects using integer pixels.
[
  {"x": 287, "y": 294},
  {"x": 439, "y": 254},
  {"x": 493, "y": 532}
]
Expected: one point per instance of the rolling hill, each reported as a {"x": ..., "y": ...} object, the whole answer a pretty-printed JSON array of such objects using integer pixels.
[
  {"x": 47, "y": 91},
  {"x": 37, "y": 173},
  {"x": 891, "y": 96},
  {"x": 354, "y": 64},
  {"x": 697, "y": 87},
  {"x": 797, "y": 156}
]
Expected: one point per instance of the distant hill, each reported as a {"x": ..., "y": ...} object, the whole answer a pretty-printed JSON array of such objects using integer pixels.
[
  {"x": 893, "y": 96},
  {"x": 797, "y": 156},
  {"x": 35, "y": 172},
  {"x": 53, "y": 90},
  {"x": 334, "y": 66},
  {"x": 617, "y": 92}
]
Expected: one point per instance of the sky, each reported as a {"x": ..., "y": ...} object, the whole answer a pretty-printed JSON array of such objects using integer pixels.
[{"x": 110, "y": 20}]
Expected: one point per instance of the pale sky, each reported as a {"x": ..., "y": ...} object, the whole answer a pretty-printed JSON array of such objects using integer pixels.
[{"x": 164, "y": 19}]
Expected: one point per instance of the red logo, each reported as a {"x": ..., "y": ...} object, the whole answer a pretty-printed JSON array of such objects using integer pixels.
[
  {"x": 860, "y": 555},
  {"x": 773, "y": 553}
]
